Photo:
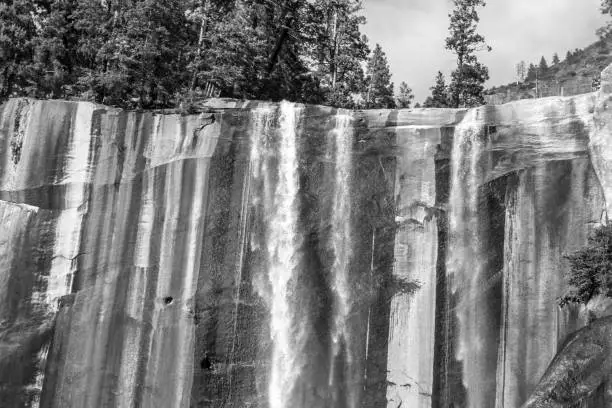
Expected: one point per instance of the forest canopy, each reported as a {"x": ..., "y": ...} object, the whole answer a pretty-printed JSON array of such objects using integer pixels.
[{"x": 163, "y": 53}]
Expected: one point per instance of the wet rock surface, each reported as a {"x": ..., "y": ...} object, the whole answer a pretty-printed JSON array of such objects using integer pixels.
[
  {"x": 580, "y": 372},
  {"x": 256, "y": 253}
]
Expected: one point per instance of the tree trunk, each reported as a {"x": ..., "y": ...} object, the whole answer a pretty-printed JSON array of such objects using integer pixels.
[
  {"x": 287, "y": 18},
  {"x": 456, "y": 102},
  {"x": 203, "y": 28},
  {"x": 333, "y": 66}
]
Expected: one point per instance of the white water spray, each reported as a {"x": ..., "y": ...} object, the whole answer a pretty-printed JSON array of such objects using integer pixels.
[
  {"x": 342, "y": 246},
  {"x": 341, "y": 226},
  {"x": 281, "y": 219},
  {"x": 465, "y": 262}
]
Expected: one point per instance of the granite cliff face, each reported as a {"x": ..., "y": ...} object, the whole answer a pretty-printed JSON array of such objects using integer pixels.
[{"x": 260, "y": 255}]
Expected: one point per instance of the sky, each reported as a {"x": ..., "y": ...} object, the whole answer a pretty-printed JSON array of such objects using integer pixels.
[{"x": 412, "y": 34}]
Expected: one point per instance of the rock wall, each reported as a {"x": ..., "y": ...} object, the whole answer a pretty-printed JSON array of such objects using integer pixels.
[{"x": 263, "y": 255}]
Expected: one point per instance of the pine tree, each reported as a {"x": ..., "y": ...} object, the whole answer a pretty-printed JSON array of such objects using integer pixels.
[
  {"x": 286, "y": 74},
  {"x": 467, "y": 82},
  {"x": 417, "y": 105},
  {"x": 439, "y": 94},
  {"x": 151, "y": 53},
  {"x": 231, "y": 51},
  {"x": 18, "y": 30},
  {"x": 543, "y": 67},
  {"x": 521, "y": 72},
  {"x": 47, "y": 70},
  {"x": 531, "y": 72},
  {"x": 590, "y": 269},
  {"x": 404, "y": 97},
  {"x": 555, "y": 59},
  {"x": 379, "y": 88},
  {"x": 338, "y": 49},
  {"x": 568, "y": 56}
]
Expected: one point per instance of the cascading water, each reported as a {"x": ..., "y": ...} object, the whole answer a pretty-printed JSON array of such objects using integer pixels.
[
  {"x": 281, "y": 236},
  {"x": 274, "y": 171},
  {"x": 465, "y": 263},
  {"x": 342, "y": 246}
]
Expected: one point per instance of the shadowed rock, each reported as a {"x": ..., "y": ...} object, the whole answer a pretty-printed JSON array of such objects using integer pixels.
[
  {"x": 582, "y": 366},
  {"x": 135, "y": 254}
]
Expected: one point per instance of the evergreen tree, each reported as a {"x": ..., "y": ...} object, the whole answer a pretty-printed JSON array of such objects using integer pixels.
[
  {"x": 417, "y": 105},
  {"x": 17, "y": 34},
  {"x": 338, "y": 49},
  {"x": 379, "y": 88},
  {"x": 590, "y": 271},
  {"x": 147, "y": 50},
  {"x": 543, "y": 67},
  {"x": 130, "y": 52},
  {"x": 521, "y": 72},
  {"x": 151, "y": 53},
  {"x": 286, "y": 74},
  {"x": 606, "y": 8},
  {"x": 232, "y": 47},
  {"x": 555, "y": 59},
  {"x": 568, "y": 56},
  {"x": 467, "y": 82},
  {"x": 54, "y": 47},
  {"x": 439, "y": 94},
  {"x": 532, "y": 72},
  {"x": 405, "y": 96}
]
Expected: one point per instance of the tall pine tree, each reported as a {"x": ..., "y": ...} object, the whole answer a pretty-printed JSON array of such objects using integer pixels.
[
  {"x": 404, "y": 97},
  {"x": 467, "y": 80},
  {"x": 153, "y": 53},
  {"x": 555, "y": 59},
  {"x": 543, "y": 66},
  {"x": 17, "y": 37},
  {"x": 379, "y": 88},
  {"x": 532, "y": 72},
  {"x": 338, "y": 49},
  {"x": 439, "y": 94}
]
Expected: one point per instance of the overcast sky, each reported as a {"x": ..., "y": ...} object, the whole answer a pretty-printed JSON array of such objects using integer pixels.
[{"x": 412, "y": 34}]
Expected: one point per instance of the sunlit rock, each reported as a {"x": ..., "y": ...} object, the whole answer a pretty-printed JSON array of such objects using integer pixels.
[{"x": 267, "y": 255}]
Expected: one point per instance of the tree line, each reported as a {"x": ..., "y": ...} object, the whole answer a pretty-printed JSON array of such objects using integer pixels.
[
  {"x": 534, "y": 71},
  {"x": 161, "y": 53}
]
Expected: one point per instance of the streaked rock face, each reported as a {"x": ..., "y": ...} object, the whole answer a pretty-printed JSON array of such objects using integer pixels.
[{"x": 259, "y": 255}]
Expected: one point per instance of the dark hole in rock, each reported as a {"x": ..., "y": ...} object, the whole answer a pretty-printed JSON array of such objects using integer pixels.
[
  {"x": 206, "y": 364},
  {"x": 168, "y": 300}
]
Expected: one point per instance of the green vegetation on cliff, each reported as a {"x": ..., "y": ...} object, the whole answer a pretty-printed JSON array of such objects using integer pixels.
[{"x": 590, "y": 269}]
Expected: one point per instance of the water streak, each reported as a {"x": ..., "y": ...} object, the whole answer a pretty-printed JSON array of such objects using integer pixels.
[
  {"x": 465, "y": 262},
  {"x": 281, "y": 230},
  {"x": 342, "y": 244}
]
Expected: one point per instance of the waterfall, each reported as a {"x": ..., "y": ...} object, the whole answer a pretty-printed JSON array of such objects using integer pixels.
[
  {"x": 281, "y": 236},
  {"x": 274, "y": 171},
  {"x": 342, "y": 246},
  {"x": 465, "y": 262}
]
